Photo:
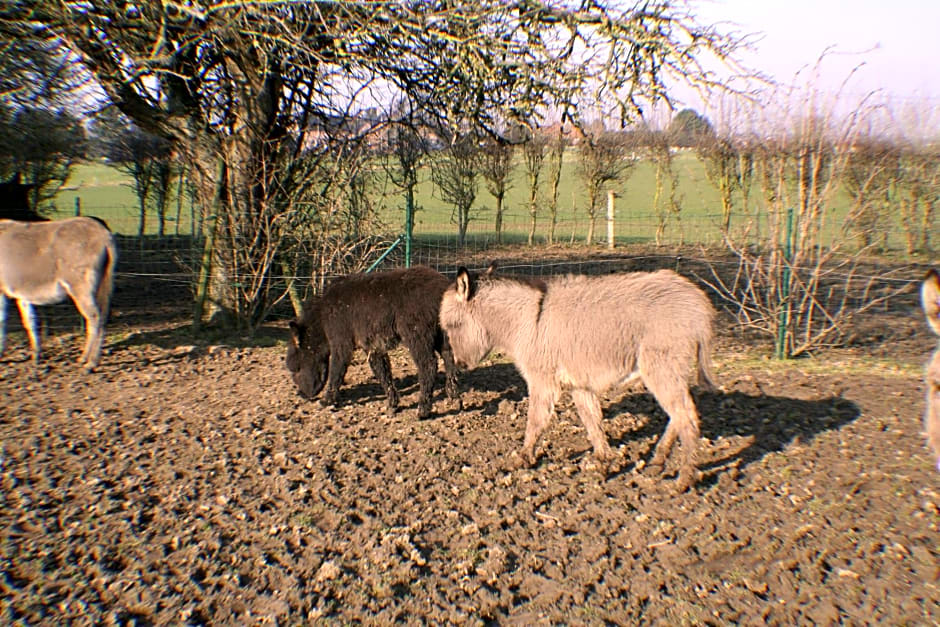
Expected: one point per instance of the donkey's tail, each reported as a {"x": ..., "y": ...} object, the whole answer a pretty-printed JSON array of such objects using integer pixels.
[
  {"x": 106, "y": 284},
  {"x": 706, "y": 378}
]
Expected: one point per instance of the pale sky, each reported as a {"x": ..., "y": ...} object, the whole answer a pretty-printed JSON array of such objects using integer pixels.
[{"x": 897, "y": 40}]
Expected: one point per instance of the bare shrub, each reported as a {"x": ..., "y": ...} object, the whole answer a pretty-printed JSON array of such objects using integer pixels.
[{"x": 803, "y": 283}]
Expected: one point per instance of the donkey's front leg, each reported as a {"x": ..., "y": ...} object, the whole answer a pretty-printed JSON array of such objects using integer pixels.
[
  {"x": 339, "y": 362},
  {"x": 542, "y": 397},
  {"x": 31, "y": 322},
  {"x": 450, "y": 374}
]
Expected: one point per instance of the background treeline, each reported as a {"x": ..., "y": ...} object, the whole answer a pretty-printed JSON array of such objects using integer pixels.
[{"x": 290, "y": 140}]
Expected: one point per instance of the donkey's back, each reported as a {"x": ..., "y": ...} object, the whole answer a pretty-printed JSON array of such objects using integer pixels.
[
  {"x": 620, "y": 324},
  {"x": 42, "y": 263}
]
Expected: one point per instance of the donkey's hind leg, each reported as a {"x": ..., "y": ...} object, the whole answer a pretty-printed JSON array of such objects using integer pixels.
[
  {"x": 382, "y": 369},
  {"x": 94, "y": 327},
  {"x": 31, "y": 322},
  {"x": 425, "y": 360},
  {"x": 671, "y": 390}
]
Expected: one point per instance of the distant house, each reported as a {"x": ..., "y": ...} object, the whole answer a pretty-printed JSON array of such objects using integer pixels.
[{"x": 328, "y": 129}]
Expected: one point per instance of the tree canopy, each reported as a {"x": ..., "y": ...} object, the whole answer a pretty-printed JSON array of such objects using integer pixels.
[
  {"x": 690, "y": 129},
  {"x": 485, "y": 61},
  {"x": 242, "y": 88}
]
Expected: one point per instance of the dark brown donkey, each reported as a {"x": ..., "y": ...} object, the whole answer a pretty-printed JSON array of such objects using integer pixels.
[
  {"x": 930, "y": 301},
  {"x": 42, "y": 263},
  {"x": 374, "y": 312},
  {"x": 590, "y": 334}
]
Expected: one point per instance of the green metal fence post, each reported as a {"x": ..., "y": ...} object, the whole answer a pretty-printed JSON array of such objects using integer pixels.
[
  {"x": 781, "y": 351},
  {"x": 409, "y": 224},
  {"x": 387, "y": 252}
]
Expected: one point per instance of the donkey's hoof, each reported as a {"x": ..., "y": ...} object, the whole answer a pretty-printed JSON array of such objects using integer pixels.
[
  {"x": 598, "y": 465},
  {"x": 520, "y": 460},
  {"x": 655, "y": 467},
  {"x": 687, "y": 479}
]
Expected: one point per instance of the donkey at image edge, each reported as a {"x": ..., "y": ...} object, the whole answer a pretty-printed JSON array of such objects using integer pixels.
[
  {"x": 43, "y": 263},
  {"x": 589, "y": 334},
  {"x": 930, "y": 301}
]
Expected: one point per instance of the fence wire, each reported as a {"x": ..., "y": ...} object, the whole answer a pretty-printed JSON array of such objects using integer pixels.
[{"x": 165, "y": 267}]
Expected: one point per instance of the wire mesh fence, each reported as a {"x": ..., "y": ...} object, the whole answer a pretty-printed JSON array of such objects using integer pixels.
[{"x": 161, "y": 269}]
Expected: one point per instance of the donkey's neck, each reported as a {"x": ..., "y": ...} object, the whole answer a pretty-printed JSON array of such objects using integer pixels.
[{"x": 513, "y": 312}]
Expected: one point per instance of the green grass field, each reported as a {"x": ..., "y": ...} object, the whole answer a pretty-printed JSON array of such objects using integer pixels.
[
  {"x": 633, "y": 213},
  {"x": 106, "y": 192}
]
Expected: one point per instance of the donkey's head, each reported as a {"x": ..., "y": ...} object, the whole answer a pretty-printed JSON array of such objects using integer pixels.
[
  {"x": 461, "y": 321},
  {"x": 930, "y": 301},
  {"x": 308, "y": 355}
]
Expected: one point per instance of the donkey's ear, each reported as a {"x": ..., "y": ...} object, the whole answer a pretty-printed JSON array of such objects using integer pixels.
[
  {"x": 930, "y": 299},
  {"x": 464, "y": 284},
  {"x": 295, "y": 332},
  {"x": 491, "y": 270}
]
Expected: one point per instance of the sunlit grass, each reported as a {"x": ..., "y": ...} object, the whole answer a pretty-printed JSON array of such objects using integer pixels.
[{"x": 107, "y": 192}]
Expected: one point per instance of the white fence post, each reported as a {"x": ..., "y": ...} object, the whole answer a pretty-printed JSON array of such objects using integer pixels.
[{"x": 610, "y": 218}]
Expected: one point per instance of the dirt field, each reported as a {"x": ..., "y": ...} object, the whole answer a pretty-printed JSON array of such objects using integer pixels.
[{"x": 186, "y": 482}]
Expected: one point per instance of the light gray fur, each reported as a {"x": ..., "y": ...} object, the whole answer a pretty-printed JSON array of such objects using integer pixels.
[
  {"x": 42, "y": 263},
  {"x": 590, "y": 334},
  {"x": 930, "y": 302}
]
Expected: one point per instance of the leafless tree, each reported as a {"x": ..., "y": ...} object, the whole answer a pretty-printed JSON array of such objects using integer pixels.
[
  {"x": 496, "y": 163},
  {"x": 147, "y": 159},
  {"x": 918, "y": 194},
  {"x": 408, "y": 143},
  {"x": 872, "y": 172},
  {"x": 803, "y": 285},
  {"x": 234, "y": 84},
  {"x": 42, "y": 146},
  {"x": 556, "y": 154},
  {"x": 456, "y": 175},
  {"x": 604, "y": 157},
  {"x": 721, "y": 159},
  {"x": 666, "y": 201},
  {"x": 533, "y": 157}
]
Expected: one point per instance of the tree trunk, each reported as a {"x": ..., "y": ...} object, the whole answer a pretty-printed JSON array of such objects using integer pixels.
[
  {"x": 212, "y": 206},
  {"x": 533, "y": 213},
  {"x": 499, "y": 218}
]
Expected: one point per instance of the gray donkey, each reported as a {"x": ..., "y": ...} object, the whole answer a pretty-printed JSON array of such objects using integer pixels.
[
  {"x": 590, "y": 334},
  {"x": 930, "y": 300},
  {"x": 42, "y": 263}
]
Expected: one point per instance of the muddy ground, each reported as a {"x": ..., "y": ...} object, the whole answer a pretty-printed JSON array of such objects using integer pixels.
[{"x": 185, "y": 482}]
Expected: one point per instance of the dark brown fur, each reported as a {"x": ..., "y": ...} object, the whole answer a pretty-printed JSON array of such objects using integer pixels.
[
  {"x": 14, "y": 201},
  {"x": 373, "y": 312}
]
